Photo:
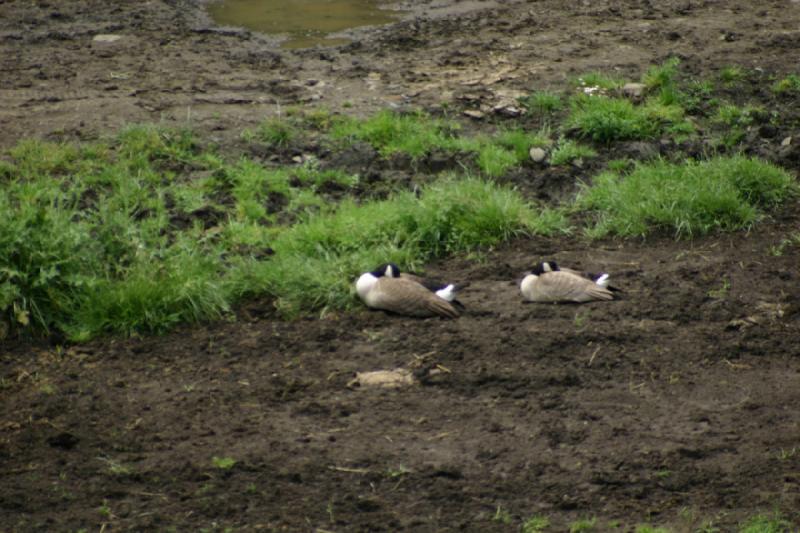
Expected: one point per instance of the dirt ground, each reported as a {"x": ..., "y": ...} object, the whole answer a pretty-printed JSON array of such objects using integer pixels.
[{"x": 676, "y": 405}]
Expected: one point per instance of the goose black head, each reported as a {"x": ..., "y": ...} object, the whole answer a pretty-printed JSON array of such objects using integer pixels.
[
  {"x": 540, "y": 268},
  {"x": 390, "y": 270},
  {"x": 550, "y": 266}
]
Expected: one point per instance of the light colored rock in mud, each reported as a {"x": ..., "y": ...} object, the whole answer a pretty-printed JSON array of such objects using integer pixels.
[
  {"x": 474, "y": 113},
  {"x": 633, "y": 90},
  {"x": 537, "y": 154},
  {"x": 106, "y": 38},
  {"x": 507, "y": 110},
  {"x": 787, "y": 141},
  {"x": 388, "y": 379}
]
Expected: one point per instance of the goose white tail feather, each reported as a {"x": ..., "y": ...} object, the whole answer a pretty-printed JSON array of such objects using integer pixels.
[{"x": 448, "y": 293}]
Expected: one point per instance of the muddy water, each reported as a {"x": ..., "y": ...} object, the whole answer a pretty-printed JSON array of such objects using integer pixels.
[{"x": 307, "y": 22}]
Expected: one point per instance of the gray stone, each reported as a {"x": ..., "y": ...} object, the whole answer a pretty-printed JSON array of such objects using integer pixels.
[
  {"x": 537, "y": 154},
  {"x": 633, "y": 90},
  {"x": 106, "y": 38},
  {"x": 474, "y": 113}
]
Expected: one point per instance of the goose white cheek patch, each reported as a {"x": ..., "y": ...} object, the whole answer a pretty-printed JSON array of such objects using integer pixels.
[{"x": 364, "y": 284}]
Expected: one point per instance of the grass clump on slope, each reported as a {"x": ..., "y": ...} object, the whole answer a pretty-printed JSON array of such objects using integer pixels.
[
  {"x": 150, "y": 230},
  {"x": 315, "y": 262},
  {"x": 687, "y": 199}
]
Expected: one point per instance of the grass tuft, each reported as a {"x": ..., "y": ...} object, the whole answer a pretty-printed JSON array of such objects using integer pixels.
[
  {"x": 689, "y": 199},
  {"x": 765, "y": 523},
  {"x": 605, "y": 119},
  {"x": 535, "y": 524},
  {"x": 788, "y": 85},
  {"x": 543, "y": 103},
  {"x": 415, "y": 134},
  {"x": 568, "y": 151}
]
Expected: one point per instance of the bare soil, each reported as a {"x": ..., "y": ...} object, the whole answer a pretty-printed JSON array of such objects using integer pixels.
[{"x": 675, "y": 405}]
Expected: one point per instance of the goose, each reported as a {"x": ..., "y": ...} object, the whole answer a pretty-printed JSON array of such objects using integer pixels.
[
  {"x": 447, "y": 291},
  {"x": 544, "y": 284},
  {"x": 602, "y": 279},
  {"x": 388, "y": 289}
]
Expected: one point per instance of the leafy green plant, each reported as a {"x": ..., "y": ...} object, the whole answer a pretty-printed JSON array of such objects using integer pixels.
[
  {"x": 663, "y": 75},
  {"x": 584, "y": 524},
  {"x": 663, "y": 79},
  {"x": 605, "y": 119},
  {"x": 502, "y": 515},
  {"x": 688, "y": 199},
  {"x": 223, "y": 463},
  {"x": 543, "y": 103},
  {"x": 645, "y": 528},
  {"x": 275, "y": 131},
  {"x": 792, "y": 240},
  {"x": 731, "y": 74},
  {"x": 598, "y": 79},
  {"x": 765, "y": 523},
  {"x": 568, "y": 151},
  {"x": 494, "y": 160},
  {"x": 722, "y": 291},
  {"x": 535, "y": 524},
  {"x": 788, "y": 85},
  {"x": 695, "y": 94},
  {"x": 415, "y": 134},
  {"x": 735, "y": 116}
]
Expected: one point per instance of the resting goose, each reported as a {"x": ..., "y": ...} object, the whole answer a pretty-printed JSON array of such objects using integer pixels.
[
  {"x": 544, "y": 284},
  {"x": 388, "y": 289}
]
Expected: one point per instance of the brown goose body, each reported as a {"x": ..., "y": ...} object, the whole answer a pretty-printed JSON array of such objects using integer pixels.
[
  {"x": 388, "y": 290},
  {"x": 562, "y": 286}
]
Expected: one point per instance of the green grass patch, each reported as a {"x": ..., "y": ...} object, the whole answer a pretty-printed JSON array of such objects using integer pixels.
[
  {"x": 568, "y": 151},
  {"x": 660, "y": 76},
  {"x": 415, "y": 134},
  {"x": 604, "y": 119},
  {"x": 275, "y": 131},
  {"x": 766, "y": 523},
  {"x": 731, "y": 74},
  {"x": 418, "y": 134},
  {"x": 788, "y": 85},
  {"x": 316, "y": 261},
  {"x": 223, "y": 463},
  {"x": 599, "y": 80},
  {"x": 535, "y": 524},
  {"x": 687, "y": 199},
  {"x": 646, "y": 528},
  {"x": 507, "y": 149},
  {"x": 543, "y": 103},
  {"x": 150, "y": 230},
  {"x": 584, "y": 524}
]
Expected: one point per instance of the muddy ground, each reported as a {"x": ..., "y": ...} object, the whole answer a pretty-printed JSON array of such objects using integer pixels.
[{"x": 676, "y": 405}]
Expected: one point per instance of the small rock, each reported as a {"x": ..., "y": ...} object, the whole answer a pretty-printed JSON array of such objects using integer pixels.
[
  {"x": 507, "y": 111},
  {"x": 106, "y": 38},
  {"x": 787, "y": 141},
  {"x": 537, "y": 154},
  {"x": 474, "y": 113},
  {"x": 399, "y": 377},
  {"x": 633, "y": 90}
]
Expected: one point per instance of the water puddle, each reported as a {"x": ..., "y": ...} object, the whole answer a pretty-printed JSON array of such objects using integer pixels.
[{"x": 307, "y": 22}]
